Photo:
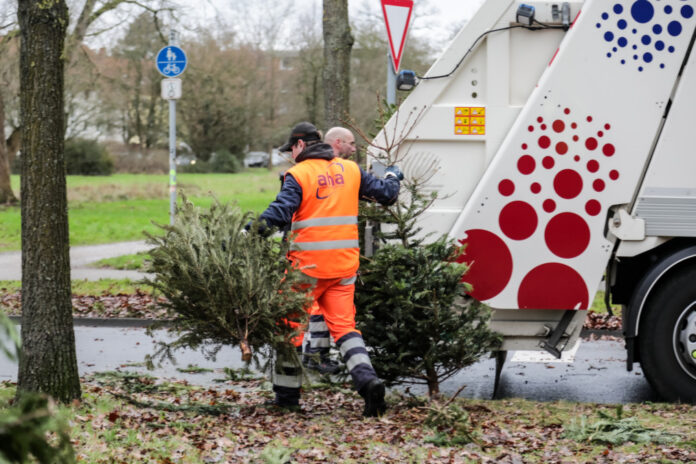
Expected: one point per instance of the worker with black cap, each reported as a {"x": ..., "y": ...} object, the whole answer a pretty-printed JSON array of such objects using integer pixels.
[{"x": 319, "y": 199}]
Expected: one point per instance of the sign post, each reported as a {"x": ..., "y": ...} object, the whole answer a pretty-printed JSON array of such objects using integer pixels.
[
  {"x": 391, "y": 81},
  {"x": 397, "y": 17},
  {"x": 171, "y": 62}
]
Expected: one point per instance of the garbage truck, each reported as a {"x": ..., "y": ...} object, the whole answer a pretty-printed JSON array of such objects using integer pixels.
[{"x": 564, "y": 135}]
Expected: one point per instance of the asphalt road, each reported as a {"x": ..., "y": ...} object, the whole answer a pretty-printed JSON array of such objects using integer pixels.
[{"x": 597, "y": 374}]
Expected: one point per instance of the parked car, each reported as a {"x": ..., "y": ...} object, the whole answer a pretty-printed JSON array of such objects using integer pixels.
[
  {"x": 256, "y": 159},
  {"x": 185, "y": 160}
]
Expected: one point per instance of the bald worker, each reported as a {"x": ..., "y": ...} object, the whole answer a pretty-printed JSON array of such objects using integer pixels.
[
  {"x": 317, "y": 345},
  {"x": 342, "y": 141}
]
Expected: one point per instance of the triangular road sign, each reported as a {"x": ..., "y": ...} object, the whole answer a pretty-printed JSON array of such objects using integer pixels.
[{"x": 397, "y": 16}]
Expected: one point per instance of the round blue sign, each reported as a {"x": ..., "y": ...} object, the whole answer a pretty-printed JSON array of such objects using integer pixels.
[{"x": 171, "y": 61}]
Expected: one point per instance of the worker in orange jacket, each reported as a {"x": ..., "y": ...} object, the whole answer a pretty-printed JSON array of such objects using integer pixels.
[
  {"x": 316, "y": 354},
  {"x": 319, "y": 199}
]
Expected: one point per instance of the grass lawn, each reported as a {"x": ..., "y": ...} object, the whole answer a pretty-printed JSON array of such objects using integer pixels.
[
  {"x": 120, "y": 207},
  {"x": 134, "y": 262},
  {"x": 88, "y": 287},
  {"x": 126, "y": 417}
]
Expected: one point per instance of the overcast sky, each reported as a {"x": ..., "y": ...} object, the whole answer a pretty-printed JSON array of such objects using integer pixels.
[{"x": 436, "y": 20}]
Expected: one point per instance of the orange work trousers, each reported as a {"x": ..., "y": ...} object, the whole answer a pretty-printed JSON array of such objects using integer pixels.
[{"x": 333, "y": 299}]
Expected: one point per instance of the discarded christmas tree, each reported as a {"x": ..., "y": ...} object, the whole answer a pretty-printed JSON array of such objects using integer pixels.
[
  {"x": 225, "y": 286},
  {"x": 31, "y": 430},
  {"x": 413, "y": 310}
]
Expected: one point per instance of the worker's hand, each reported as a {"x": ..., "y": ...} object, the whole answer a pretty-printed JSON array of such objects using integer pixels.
[
  {"x": 259, "y": 227},
  {"x": 394, "y": 171}
]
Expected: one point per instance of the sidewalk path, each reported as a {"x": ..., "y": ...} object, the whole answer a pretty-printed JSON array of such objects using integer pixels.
[{"x": 80, "y": 259}]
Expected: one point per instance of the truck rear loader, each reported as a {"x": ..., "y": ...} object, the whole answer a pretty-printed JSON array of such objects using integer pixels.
[{"x": 565, "y": 136}]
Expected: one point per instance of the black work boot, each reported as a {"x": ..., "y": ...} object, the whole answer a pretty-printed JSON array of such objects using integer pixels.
[
  {"x": 285, "y": 398},
  {"x": 323, "y": 365},
  {"x": 373, "y": 393},
  {"x": 277, "y": 404},
  {"x": 319, "y": 360}
]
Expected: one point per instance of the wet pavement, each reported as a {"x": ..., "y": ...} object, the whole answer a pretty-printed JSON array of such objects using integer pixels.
[
  {"x": 80, "y": 259},
  {"x": 598, "y": 373}
]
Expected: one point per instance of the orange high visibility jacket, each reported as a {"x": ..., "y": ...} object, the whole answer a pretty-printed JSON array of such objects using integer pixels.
[{"x": 325, "y": 227}]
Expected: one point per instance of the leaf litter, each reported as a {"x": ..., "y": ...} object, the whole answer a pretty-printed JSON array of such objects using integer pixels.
[
  {"x": 141, "y": 304},
  {"x": 128, "y": 417}
]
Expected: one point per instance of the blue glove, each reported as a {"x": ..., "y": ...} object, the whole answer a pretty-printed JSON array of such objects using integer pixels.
[{"x": 394, "y": 171}]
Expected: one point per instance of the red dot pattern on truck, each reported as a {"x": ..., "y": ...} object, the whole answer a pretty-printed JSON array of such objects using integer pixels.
[
  {"x": 490, "y": 261},
  {"x": 560, "y": 219},
  {"x": 518, "y": 220},
  {"x": 552, "y": 285}
]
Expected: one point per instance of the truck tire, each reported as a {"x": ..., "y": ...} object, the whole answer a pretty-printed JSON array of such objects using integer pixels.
[{"x": 667, "y": 338}]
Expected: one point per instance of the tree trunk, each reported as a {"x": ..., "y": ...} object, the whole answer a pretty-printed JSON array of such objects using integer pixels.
[
  {"x": 13, "y": 143},
  {"x": 48, "y": 361},
  {"x": 152, "y": 115},
  {"x": 338, "y": 43},
  {"x": 75, "y": 39},
  {"x": 271, "y": 105},
  {"x": 6, "y": 194},
  {"x": 137, "y": 104},
  {"x": 433, "y": 382}
]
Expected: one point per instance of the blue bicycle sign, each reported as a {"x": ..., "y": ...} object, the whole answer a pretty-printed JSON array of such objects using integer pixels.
[{"x": 171, "y": 61}]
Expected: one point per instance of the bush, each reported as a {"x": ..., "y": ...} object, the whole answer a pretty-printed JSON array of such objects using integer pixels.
[
  {"x": 87, "y": 158},
  {"x": 225, "y": 161},
  {"x": 222, "y": 161},
  {"x": 129, "y": 159},
  {"x": 199, "y": 167}
]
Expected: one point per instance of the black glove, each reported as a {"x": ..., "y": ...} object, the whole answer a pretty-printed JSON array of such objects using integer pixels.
[
  {"x": 261, "y": 228},
  {"x": 394, "y": 171}
]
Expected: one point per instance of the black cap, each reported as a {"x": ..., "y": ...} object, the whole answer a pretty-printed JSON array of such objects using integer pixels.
[{"x": 302, "y": 131}]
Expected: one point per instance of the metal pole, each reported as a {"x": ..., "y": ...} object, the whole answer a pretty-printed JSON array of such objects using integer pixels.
[
  {"x": 172, "y": 160},
  {"x": 391, "y": 81},
  {"x": 172, "y": 146}
]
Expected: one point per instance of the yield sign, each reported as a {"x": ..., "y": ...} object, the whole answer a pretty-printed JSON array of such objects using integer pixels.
[{"x": 397, "y": 15}]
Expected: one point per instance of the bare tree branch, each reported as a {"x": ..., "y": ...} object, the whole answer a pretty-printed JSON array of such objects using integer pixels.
[{"x": 393, "y": 142}]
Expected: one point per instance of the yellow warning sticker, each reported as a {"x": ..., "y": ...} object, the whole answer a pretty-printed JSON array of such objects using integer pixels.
[{"x": 469, "y": 120}]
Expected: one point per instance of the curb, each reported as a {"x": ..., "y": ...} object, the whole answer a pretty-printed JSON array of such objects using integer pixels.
[
  {"x": 584, "y": 333},
  {"x": 123, "y": 322},
  {"x": 131, "y": 322}
]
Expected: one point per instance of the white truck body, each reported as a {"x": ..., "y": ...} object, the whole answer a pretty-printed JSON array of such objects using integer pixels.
[{"x": 563, "y": 154}]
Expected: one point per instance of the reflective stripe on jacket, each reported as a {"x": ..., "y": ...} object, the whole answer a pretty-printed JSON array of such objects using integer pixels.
[{"x": 325, "y": 226}]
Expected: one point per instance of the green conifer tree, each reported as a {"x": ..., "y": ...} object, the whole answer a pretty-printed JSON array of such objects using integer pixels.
[
  {"x": 225, "y": 286},
  {"x": 412, "y": 304}
]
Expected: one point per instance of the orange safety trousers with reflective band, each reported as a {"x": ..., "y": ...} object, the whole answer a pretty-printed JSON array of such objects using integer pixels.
[
  {"x": 333, "y": 299},
  {"x": 325, "y": 227}
]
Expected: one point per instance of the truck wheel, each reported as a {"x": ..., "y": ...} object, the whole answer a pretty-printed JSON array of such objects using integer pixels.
[{"x": 667, "y": 338}]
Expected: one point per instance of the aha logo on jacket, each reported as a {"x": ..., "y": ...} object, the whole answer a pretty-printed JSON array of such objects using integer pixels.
[{"x": 329, "y": 181}]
